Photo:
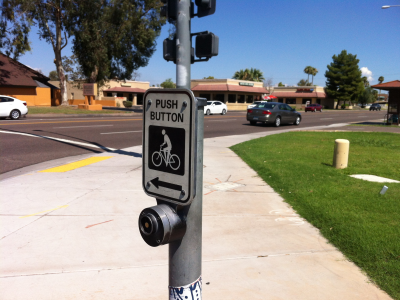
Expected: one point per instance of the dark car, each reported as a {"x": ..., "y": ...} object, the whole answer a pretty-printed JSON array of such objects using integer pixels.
[
  {"x": 375, "y": 106},
  {"x": 273, "y": 113},
  {"x": 313, "y": 107}
]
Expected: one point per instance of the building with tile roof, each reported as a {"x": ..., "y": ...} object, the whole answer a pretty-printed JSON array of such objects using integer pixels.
[{"x": 393, "y": 87}]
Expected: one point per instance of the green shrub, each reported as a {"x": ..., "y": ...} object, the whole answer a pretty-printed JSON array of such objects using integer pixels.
[{"x": 127, "y": 103}]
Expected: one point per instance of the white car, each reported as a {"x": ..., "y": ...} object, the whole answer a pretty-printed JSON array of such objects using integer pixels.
[
  {"x": 254, "y": 104},
  {"x": 215, "y": 107},
  {"x": 12, "y": 107}
]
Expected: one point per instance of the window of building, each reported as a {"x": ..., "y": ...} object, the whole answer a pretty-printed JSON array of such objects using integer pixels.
[
  {"x": 207, "y": 96},
  {"x": 241, "y": 99},
  {"x": 220, "y": 97},
  {"x": 120, "y": 95},
  {"x": 280, "y": 100},
  {"x": 130, "y": 97},
  {"x": 304, "y": 101},
  {"x": 249, "y": 99},
  {"x": 109, "y": 94},
  {"x": 319, "y": 101},
  {"x": 291, "y": 100},
  {"x": 231, "y": 98}
]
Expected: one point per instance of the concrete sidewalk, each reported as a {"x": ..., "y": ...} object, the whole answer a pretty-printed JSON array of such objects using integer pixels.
[{"x": 74, "y": 235}]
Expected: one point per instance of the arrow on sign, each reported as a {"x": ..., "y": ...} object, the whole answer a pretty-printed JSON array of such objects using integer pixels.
[{"x": 156, "y": 182}]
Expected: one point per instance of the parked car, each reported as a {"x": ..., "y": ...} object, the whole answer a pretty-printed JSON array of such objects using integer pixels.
[
  {"x": 375, "y": 106},
  {"x": 215, "y": 107},
  {"x": 273, "y": 113},
  {"x": 313, "y": 107},
  {"x": 254, "y": 104},
  {"x": 12, "y": 108}
]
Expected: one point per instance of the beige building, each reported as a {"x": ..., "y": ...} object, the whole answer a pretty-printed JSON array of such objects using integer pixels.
[
  {"x": 237, "y": 94},
  {"x": 129, "y": 90},
  {"x": 113, "y": 90},
  {"x": 299, "y": 96}
]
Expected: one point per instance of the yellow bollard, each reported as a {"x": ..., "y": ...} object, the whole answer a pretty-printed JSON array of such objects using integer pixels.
[{"x": 341, "y": 154}]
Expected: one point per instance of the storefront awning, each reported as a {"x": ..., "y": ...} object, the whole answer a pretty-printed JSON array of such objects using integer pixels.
[
  {"x": 299, "y": 95},
  {"x": 125, "y": 90},
  {"x": 228, "y": 88}
]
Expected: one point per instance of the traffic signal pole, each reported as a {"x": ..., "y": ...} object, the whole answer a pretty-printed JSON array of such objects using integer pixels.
[
  {"x": 183, "y": 44},
  {"x": 185, "y": 255}
]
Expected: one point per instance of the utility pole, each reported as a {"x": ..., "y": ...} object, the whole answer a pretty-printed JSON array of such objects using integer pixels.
[{"x": 175, "y": 178}]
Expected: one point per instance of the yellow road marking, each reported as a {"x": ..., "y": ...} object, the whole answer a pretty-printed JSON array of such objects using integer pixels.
[
  {"x": 76, "y": 165},
  {"x": 63, "y": 206}
]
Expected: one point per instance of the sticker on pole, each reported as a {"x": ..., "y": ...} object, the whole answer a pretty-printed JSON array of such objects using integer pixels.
[{"x": 169, "y": 145}]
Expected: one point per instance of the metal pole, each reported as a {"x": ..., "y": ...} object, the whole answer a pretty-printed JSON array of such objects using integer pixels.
[
  {"x": 185, "y": 255},
  {"x": 183, "y": 44}
]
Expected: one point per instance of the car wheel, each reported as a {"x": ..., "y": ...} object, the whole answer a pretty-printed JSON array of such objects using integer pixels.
[
  {"x": 223, "y": 112},
  {"x": 253, "y": 123},
  {"x": 208, "y": 112},
  {"x": 320, "y": 110},
  {"x": 278, "y": 121},
  {"x": 15, "y": 114},
  {"x": 297, "y": 122},
  {"x": 315, "y": 109}
]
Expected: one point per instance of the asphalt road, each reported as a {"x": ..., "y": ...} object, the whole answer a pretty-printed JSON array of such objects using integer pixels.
[{"x": 31, "y": 140}]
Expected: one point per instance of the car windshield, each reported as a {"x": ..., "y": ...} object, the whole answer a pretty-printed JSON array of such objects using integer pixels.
[
  {"x": 266, "y": 105},
  {"x": 209, "y": 102}
]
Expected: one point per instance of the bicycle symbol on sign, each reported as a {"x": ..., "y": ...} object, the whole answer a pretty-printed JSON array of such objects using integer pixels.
[{"x": 165, "y": 155}]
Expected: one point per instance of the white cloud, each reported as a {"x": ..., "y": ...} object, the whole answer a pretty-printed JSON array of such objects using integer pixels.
[{"x": 367, "y": 73}]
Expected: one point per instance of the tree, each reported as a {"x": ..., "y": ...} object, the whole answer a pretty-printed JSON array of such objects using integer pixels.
[
  {"x": 365, "y": 81},
  {"x": 14, "y": 31},
  {"x": 367, "y": 96},
  {"x": 268, "y": 84},
  {"x": 343, "y": 77},
  {"x": 381, "y": 79},
  {"x": 209, "y": 77},
  {"x": 308, "y": 70},
  {"x": 168, "y": 84},
  {"x": 314, "y": 72},
  {"x": 249, "y": 74},
  {"x": 53, "y": 75},
  {"x": 280, "y": 84},
  {"x": 73, "y": 71},
  {"x": 303, "y": 82},
  {"x": 112, "y": 39},
  {"x": 50, "y": 16}
]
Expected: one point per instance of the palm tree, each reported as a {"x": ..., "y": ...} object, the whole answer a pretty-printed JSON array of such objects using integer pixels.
[
  {"x": 308, "y": 70},
  {"x": 256, "y": 75},
  {"x": 250, "y": 75},
  {"x": 314, "y": 72},
  {"x": 241, "y": 75},
  {"x": 365, "y": 81},
  {"x": 380, "y": 79}
]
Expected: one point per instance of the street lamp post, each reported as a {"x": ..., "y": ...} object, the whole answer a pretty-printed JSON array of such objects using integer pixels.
[{"x": 388, "y": 6}]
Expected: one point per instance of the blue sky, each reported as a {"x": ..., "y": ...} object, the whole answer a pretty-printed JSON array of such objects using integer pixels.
[{"x": 280, "y": 38}]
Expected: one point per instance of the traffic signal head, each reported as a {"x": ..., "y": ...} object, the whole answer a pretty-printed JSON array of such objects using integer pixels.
[
  {"x": 169, "y": 50},
  {"x": 205, "y": 7},
  {"x": 207, "y": 45},
  {"x": 169, "y": 9}
]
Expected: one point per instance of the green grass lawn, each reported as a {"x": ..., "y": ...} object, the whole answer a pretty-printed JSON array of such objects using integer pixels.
[
  {"x": 32, "y": 110},
  {"x": 349, "y": 212}
]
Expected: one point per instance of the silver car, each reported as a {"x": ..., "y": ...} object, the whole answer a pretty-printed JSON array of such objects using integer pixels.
[{"x": 273, "y": 113}]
